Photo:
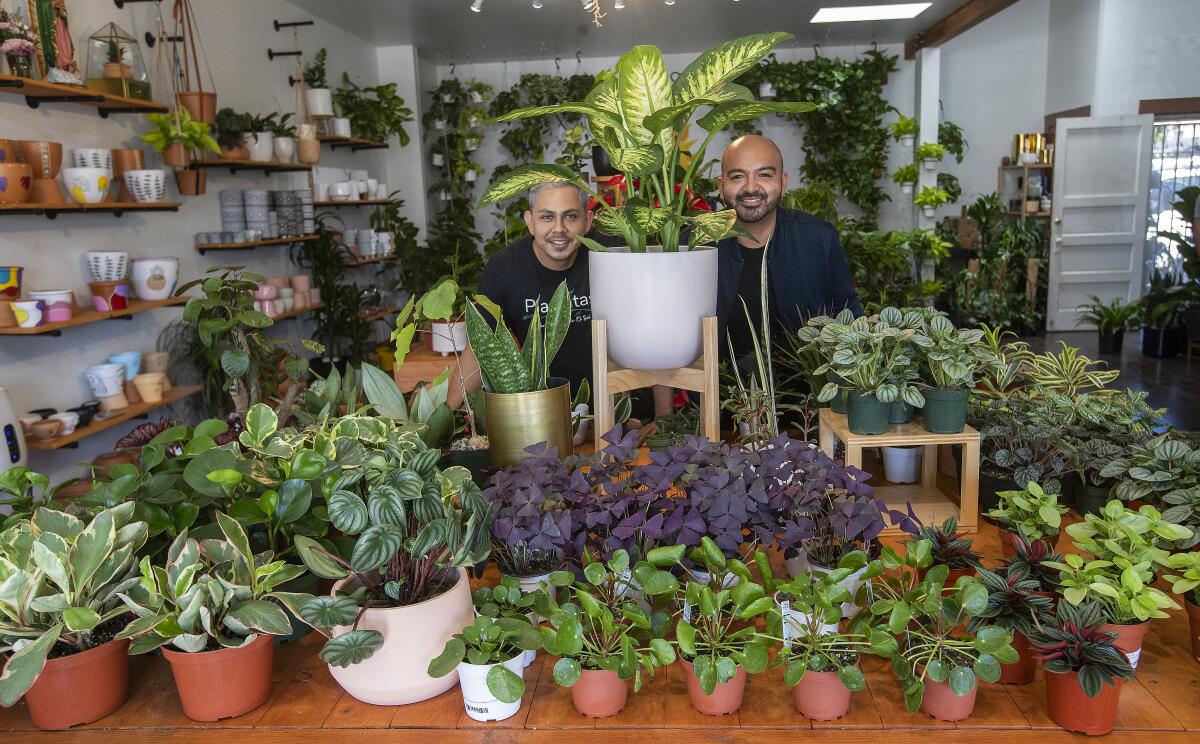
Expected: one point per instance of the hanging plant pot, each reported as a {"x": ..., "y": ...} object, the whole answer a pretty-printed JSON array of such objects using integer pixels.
[
  {"x": 929, "y": 212},
  {"x": 1128, "y": 639},
  {"x": 438, "y": 160},
  {"x": 907, "y": 140},
  {"x": 439, "y": 124},
  {"x": 821, "y": 696},
  {"x": 1020, "y": 672},
  {"x": 176, "y": 155},
  {"x": 201, "y": 104},
  {"x": 447, "y": 338},
  {"x": 308, "y": 151},
  {"x": 866, "y": 414},
  {"x": 600, "y": 693},
  {"x": 945, "y": 411},
  {"x": 1111, "y": 343},
  {"x": 476, "y": 97},
  {"x": 221, "y": 684},
  {"x": 726, "y": 698},
  {"x": 518, "y": 420},
  {"x": 1070, "y": 707},
  {"x": 929, "y": 164},
  {"x": 447, "y": 98},
  {"x": 191, "y": 181},
  {"x": 80, "y": 688},
  {"x": 906, "y": 187},
  {"x": 942, "y": 703},
  {"x": 766, "y": 89},
  {"x": 470, "y": 176}
]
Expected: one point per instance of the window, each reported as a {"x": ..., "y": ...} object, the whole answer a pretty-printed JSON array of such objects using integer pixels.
[{"x": 1174, "y": 165}]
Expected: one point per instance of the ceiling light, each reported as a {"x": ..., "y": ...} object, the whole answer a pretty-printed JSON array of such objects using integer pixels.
[
  {"x": 537, "y": 4},
  {"x": 869, "y": 13},
  {"x": 668, "y": 2},
  {"x": 618, "y": 4},
  {"x": 477, "y": 6}
]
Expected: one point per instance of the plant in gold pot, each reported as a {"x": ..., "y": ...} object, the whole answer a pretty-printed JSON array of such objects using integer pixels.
[{"x": 653, "y": 300}]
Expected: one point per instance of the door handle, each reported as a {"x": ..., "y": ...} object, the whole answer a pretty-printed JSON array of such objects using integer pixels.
[
  {"x": 1058, "y": 240},
  {"x": 1058, "y": 221}
]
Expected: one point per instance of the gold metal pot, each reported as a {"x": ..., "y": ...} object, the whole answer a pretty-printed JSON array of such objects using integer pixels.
[{"x": 517, "y": 420}]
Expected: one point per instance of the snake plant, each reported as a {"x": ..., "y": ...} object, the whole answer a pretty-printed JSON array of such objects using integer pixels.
[{"x": 507, "y": 368}]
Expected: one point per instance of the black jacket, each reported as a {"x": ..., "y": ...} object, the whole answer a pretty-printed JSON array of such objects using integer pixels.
[{"x": 806, "y": 269}]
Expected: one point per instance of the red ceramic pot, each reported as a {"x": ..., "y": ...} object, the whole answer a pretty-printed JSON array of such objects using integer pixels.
[{"x": 1070, "y": 707}]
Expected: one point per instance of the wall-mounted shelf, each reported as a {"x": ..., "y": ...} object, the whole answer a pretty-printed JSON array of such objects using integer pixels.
[
  {"x": 1012, "y": 183},
  {"x": 381, "y": 313},
  {"x": 371, "y": 260},
  {"x": 354, "y": 143},
  {"x": 1015, "y": 213},
  {"x": 137, "y": 410},
  {"x": 91, "y": 315},
  {"x": 206, "y": 247},
  {"x": 117, "y": 209},
  {"x": 37, "y": 92},
  {"x": 338, "y": 203},
  {"x": 296, "y": 312},
  {"x": 266, "y": 166}
]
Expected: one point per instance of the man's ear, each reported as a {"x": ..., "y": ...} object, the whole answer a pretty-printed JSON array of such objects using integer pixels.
[
  {"x": 588, "y": 220},
  {"x": 528, "y": 217},
  {"x": 784, "y": 181}
]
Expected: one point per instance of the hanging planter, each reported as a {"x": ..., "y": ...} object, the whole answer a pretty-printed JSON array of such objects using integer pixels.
[
  {"x": 438, "y": 160},
  {"x": 906, "y": 187},
  {"x": 907, "y": 140},
  {"x": 470, "y": 176},
  {"x": 201, "y": 103},
  {"x": 929, "y": 212},
  {"x": 176, "y": 155},
  {"x": 191, "y": 181},
  {"x": 439, "y": 124},
  {"x": 766, "y": 89}
]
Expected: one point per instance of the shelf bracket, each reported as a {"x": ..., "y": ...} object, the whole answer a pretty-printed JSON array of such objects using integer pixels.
[
  {"x": 272, "y": 54},
  {"x": 33, "y": 102},
  {"x": 12, "y": 83},
  {"x": 291, "y": 24},
  {"x": 121, "y": 3}
]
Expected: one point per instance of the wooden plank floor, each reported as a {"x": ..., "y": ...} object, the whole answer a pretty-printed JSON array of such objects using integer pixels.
[{"x": 1162, "y": 706}]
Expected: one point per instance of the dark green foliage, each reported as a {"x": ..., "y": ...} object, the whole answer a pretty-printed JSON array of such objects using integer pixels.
[
  {"x": 1073, "y": 642},
  {"x": 1013, "y": 602},
  {"x": 339, "y": 326}
]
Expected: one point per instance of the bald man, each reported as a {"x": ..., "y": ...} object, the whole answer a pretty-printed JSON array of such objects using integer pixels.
[{"x": 806, "y": 268}]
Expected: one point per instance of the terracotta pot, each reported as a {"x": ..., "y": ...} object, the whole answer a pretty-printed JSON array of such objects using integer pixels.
[
  {"x": 201, "y": 104},
  {"x": 1193, "y": 613},
  {"x": 117, "y": 70},
  {"x": 397, "y": 674},
  {"x": 46, "y": 191},
  {"x": 191, "y": 182},
  {"x": 221, "y": 684},
  {"x": 10, "y": 151},
  {"x": 1070, "y": 707},
  {"x": 941, "y": 703},
  {"x": 1129, "y": 639},
  {"x": 1022, "y": 671},
  {"x": 80, "y": 688},
  {"x": 44, "y": 157},
  {"x": 150, "y": 386},
  {"x": 176, "y": 155},
  {"x": 726, "y": 698},
  {"x": 600, "y": 693},
  {"x": 125, "y": 159},
  {"x": 235, "y": 153},
  {"x": 308, "y": 151},
  {"x": 821, "y": 696},
  {"x": 16, "y": 179}
]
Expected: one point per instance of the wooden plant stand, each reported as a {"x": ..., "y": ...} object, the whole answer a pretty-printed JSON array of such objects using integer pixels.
[
  {"x": 928, "y": 502},
  {"x": 610, "y": 378}
]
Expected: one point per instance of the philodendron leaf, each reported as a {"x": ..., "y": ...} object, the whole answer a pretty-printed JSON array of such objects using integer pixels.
[
  {"x": 504, "y": 684},
  {"x": 351, "y": 647},
  {"x": 23, "y": 667}
]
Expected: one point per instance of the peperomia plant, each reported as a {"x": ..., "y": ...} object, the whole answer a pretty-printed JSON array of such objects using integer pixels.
[
  {"x": 490, "y": 642},
  {"x": 1032, "y": 513},
  {"x": 597, "y": 625},
  {"x": 953, "y": 357},
  {"x": 1185, "y": 582},
  {"x": 60, "y": 587},
  {"x": 875, "y": 354},
  {"x": 1073, "y": 643},
  {"x": 638, "y": 116},
  {"x": 1118, "y": 532},
  {"x": 507, "y": 367},
  {"x": 1122, "y": 588},
  {"x": 720, "y": 635},
  {"x": 1158, "y": 470}
]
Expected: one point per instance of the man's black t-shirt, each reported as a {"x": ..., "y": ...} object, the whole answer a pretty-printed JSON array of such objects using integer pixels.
[
  {"x": 514, "y": 279},
  {"x": 749, "y": 290}
]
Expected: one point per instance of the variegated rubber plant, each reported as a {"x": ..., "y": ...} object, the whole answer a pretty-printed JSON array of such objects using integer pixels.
[{"x": 637, "y": 114}]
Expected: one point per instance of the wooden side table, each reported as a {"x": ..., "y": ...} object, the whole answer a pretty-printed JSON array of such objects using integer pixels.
[
  {"x": 929, "y": 503},
  {"x": 422, "y": 364}
]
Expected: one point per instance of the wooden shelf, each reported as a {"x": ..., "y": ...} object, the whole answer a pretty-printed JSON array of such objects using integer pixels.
[
  {"x": 354, "y": 143},
  {"x": 91, "y": 315},
  {"x": 294, "y": 313},
  {"x": 371, "y": 260},
  {"x": 137, "y": 410},
  {"x": 338, "y": 203},
  {"x": 116, "y": 208},
  {"x": 266, "y": 166},
  {"x": 37, "y": 92},
  {"x": 1031, "y": 166},
  {"x": 205, "y": 247},
  {"x": 380, "y": 314},
  {"x": 1017, "y": 213}
]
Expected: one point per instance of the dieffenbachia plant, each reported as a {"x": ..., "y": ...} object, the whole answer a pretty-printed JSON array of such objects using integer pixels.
[
  {"x": 507, "y": 368},
  {"x": 638, "y": 115}
]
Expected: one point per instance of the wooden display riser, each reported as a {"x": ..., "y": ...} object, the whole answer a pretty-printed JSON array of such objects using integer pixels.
[{"x": 307, "y": 705}]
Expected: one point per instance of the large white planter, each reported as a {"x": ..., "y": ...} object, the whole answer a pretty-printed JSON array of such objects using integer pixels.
[
  {"x": 901, "y": 464},
  {"x": 397, "y": 674},
  {"x": 260, "y": 144},
  {"x": 654, "y": 303},
  {"x": 319, "y": 101},
  {"x": 478, "y": 700},
  {"x": 449, "y": 337}
]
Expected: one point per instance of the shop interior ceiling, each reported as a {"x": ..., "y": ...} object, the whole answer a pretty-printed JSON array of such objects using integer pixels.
[{"x": 446, "y": 31}]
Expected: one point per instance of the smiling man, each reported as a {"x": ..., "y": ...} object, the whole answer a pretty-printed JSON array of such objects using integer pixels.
[{"x": 806, "y": 268}]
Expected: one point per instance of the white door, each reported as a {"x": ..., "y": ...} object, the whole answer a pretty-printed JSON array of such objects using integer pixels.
[{"x": 1098, "y": 225}]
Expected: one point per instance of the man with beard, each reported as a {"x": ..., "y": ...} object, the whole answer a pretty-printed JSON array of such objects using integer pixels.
[{"x": 806, "y": 268}]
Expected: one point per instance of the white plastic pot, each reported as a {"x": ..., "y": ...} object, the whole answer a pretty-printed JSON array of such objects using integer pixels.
[
  {"x": 851, "y": 582},
  {"x": 906, "y": 140},
  {"x": 341, "y": 127},
  {"x": 478, "y": 700},
  {"x": 654, "y": 303},
  {"x": 796, "y": 622},
  {"x": 906, "y": 187},
  {"x": 766, "y": 90},
  {"x": 154, "y": 278},
  {"x": 284, "y": 149},
  {"x": 530, "y": 584},
  {"x": 260, "y": 144},
  {"x": 929, "y": 212},
  {"x": 319, "y": 101},
  {"x": 449, "y": 337},
  {"x": 901, "y": 464},
  {"x": 929, "y": 164},
  {"x": 438, "y": 159}
]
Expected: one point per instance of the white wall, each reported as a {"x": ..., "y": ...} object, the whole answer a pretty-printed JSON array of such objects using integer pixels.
[
  {"x": 399, "y": 64},
  {"x": 45, "y": 371},
  {"x": 1147, "y": 49},
  {"x": 1072, "y": 41}
]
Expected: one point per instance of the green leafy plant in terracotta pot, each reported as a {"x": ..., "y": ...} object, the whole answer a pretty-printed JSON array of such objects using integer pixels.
[
  {"x": 214, "y": 611},
  {"x": 948, "y": 547},
  {"x": 60, "y": 612},
  {"x": 1084, "y": 669},
  {"x": 488, "y": 656},
  {"x": 1032, "y": 513},
  {"x": 177, "y": 136},
  {"x": 1015, "y": 602},
  {"x": 637, "y": 115},
  {"x": 951, "y": 361},
  {"x": 231, "y": 127}
]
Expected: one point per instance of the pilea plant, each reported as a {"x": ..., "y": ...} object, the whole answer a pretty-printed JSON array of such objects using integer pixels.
[
  {"x": 486, "y": 641},
  {"x": 1032, "y": 512},
  {"x": 504, "y": 599}
]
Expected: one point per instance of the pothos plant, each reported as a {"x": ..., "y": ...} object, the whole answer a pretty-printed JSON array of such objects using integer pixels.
[{"x": 637, "y": 115}]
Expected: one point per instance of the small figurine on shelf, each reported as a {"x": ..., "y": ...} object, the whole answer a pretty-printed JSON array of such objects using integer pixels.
[{"x": 16, "y": 44}]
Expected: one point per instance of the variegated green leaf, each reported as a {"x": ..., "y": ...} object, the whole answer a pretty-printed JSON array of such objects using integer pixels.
[
  {"x": 643, "y": 86},
  {"x": 711, "y": 227},
  {"x": 558, "y": 320},
  {"x": 638, "y": 161},
  {"x": 612, "y": 222},
  {"x": 602, "y": 117},
  {"x": 730, "y": 113},
  {"x": 669, "y": 116},
  {"x": 521, "y": 179},
  {"x": 723, "y": 64},
  {"x": 648, "y": 219}
]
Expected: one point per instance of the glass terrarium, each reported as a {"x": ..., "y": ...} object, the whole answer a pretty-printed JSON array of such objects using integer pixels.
[{"x": 115, "y": 65}]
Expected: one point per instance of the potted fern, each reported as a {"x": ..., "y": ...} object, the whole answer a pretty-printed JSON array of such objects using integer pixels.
[
  {"x": 1111, "y": 321},
  {"x": 654, "y": 299}
]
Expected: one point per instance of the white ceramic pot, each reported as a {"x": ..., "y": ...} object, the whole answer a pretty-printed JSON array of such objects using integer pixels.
[
  {"x": 106, "y": 380},
  {"x": 795, "y": 622},
  {"x": 469, "y": 176},
  {"x": 930, "y": 164},
  {"x": 87, "y": 185},
  {"x": 341, "y": 127},
  {"x": 155, "y": 278},
  {"x": 906, "y": 187},
  {"x": 57, "y": 307},
  {"x": 439, "y": 124},
  {"x": 766, "y": 90},
  {"x": 146, "y": 185},
  {"x": 449, "y": 337},
  {"x": 397, "y": 674},
  {"x": 29, "y": 313},
  {"x": 438, "y": 160},
  {"x": 852, "y": 583},
  {"x": 70, "y": 421},
  {"x": 901, "y": 464},
  {"x": 654, "y": 303},
  {"x": 284, "y": 148},
  {"x": 92, "y": 157},
  {"x": 478, "y": 700},
  {"x": 906, "y": 140},
  {"x": 107, "y": 266},
  {"x": 260, "y": 144},
  {"x": 339, "y": 191},
  {"x": 319, "y": 101},
  {"x": 929, "y": 212}
]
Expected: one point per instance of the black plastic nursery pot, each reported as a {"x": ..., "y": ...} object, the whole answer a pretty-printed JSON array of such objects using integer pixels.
[
  {"x": 478, "y": 461},
  {"x": 1160, "y": 343},
  {"x": 1111, "y": 343},
  {"x": 945, "y": 410},
  {"x": 989, "y": 486},
  {"x": 600, "y": 162},
  {"x": 900, "y": 412},
  {"x": 865, "y": 414},
  {"x": 1090, "y": 499}
]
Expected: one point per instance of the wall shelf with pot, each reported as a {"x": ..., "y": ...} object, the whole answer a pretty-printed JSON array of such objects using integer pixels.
[
  {"x": 338, "y": 203},
  {"x": 90, "y": 315},
  {"x": 354, "y": 143},
  {"x": 116, "y": 208},
  {"x": 266, "y": 166},
  {"x": 365, "y": 261},
  {"x": 137, "y": 410},
  {"x": 205, "y": 247},
  {"x": 296, "y": 312},
  {"x": 37, "y": 92}
]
